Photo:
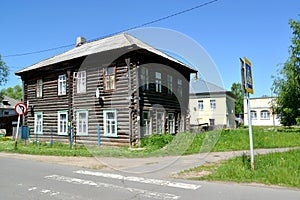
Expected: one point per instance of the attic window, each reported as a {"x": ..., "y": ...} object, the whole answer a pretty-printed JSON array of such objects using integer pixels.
[{"x": 6, "y": 103}]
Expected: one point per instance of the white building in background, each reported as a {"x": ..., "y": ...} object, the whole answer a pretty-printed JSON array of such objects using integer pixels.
[
  {"x": 210, "y": 104},
  {"x": 261, "y": 112}
]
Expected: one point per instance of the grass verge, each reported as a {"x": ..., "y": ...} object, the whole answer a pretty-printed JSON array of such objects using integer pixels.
[
  {"x": 271, "y": 169},
  {"x": 56, "y": 149}
]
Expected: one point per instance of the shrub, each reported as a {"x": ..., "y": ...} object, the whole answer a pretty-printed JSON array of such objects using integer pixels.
[{"x": 156, "y": 141}]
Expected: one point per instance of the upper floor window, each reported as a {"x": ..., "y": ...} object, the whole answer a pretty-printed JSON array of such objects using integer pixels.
[
  {"x": 109, "y": 78},
  {"x": 158, "y": 82},
  {"x": 62, "y": 84},
  {"x": 200, "y": 105},
  {"x": 39, "y": 88},
  {"x": 145, "y": 78},
  {"x": 170, "y": 84},
  {"x": 179, "y": 87},
  {"x": 213, "y": 104},
  {"x": 253, "y": 114},
  {"x": 265, "y": 114},
  {"x": 81, "y": 82}
]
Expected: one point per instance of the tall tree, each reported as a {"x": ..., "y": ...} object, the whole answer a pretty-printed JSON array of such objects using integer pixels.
[
  {"x": 236, "y": 89},
  {"x": 286, "y": 84},
  {"x": 4, "y": 71},
  {"x": 15, "y": 92}
]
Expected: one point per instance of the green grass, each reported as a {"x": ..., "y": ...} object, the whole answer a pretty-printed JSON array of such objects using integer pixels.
[
  {"x": 57, "y": 149},
  {"x": 281, "y": 169},
  {"x": 171, "y": 145}
]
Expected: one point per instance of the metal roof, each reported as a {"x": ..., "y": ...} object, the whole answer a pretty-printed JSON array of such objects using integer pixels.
[{"x": 109, "y": 43}]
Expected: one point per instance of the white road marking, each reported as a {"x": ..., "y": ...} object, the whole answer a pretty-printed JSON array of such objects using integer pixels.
[
  {"x": 44, "y": 191},
  {"x": 141, "y": 180},
  {"x": 33, "y": 188},
  {"x": 144, "y": 193}
]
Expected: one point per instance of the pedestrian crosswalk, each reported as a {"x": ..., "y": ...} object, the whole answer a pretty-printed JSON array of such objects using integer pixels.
[{"x": 95, "y": 179}]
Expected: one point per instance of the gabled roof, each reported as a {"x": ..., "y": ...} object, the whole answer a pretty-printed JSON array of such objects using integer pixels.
[
  {"x": 201, "y": 86},
  {"x": 8, "y": 103},
  {"x": 109, "y": 43}
]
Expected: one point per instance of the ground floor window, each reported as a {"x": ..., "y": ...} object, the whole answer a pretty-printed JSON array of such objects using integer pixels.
[
  {"x": 171, "y": 123},
  {"x": 146, "y": 123},
  {"x": 211, "y": 122},
  {"x": 82, "y": 122},
  {"x": 160, "y": 122},
  {"x": 38, "y": 123},
  {"x": 110, "y": 123},
  {"x": 62, "y": 118}
]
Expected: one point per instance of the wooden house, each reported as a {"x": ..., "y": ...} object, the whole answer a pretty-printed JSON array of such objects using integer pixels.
[{"x": 118, "y": 86}]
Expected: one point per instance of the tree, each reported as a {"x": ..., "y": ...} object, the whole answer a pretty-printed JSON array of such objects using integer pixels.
[
  {"x": 4, "y": 71},
  {"x": 15, "y": 92},
  {"x": 286, "y": 85},
  {"x": 236, "y": 89}
]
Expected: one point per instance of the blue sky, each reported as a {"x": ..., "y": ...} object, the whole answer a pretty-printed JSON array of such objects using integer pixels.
[{"x": 226, "y": 30}]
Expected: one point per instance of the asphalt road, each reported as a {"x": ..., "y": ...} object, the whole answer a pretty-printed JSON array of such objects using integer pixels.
[{"x": 25, "y": 179}]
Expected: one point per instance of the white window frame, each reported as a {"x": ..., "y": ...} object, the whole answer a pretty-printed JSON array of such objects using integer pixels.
[
  {"x": 62, "y": 85},
  {"x": 213, "y": 104},
  {"x": 38, "y": 123},
  {"x": 110, "y": 124},
  {"x": 253, "y": 114},
  {"x": 82, "y": 124},
  {"x": 179, "y": 87},
  {"x": 81, "y": 82},
  {"x": 170, "y": 84},
  {"x": 110, "y": 78},
  {"x": 158, "y": 87},
  {"x": 160, "y": 121},
  {"x": 39, "y": 88},
  {"x": 62, "y": 125},
  {"x": 200, "y": 105},
  {"x": 146, "y": 123},
  {"x": 171, "y": 122},
  {"x": 265, "y": 115},
  {"x": 144, "y": 78}
]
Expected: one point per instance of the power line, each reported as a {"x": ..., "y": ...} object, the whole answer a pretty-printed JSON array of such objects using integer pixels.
[{"x": 125, "y": 30}]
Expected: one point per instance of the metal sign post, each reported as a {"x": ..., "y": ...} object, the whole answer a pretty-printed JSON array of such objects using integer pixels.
[
  {"x": 248, "y": 87},
  {"x": 20, "y": 109}
]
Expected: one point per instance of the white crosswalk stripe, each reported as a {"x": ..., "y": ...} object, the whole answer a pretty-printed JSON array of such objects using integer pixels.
[
  {"x": 141, "y": 180},
  {"x": 140, "y": 192}
]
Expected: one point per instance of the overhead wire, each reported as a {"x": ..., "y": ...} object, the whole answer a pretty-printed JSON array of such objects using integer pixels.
[{"x": 124, "y": 30}]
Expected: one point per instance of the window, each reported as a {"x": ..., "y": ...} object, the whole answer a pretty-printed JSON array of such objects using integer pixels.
[
  {"x": 62, "y": 84},
  {"x": 109, "y": 78},
  {"x": 146, "y": 123},
  {"x": 171, "y": 123},
  {"x": 170, "y": 84},
  {"x": 62, "y": 118},
  {"x": 38, "y": 123},
  {"x": 253, "y": 114},
  {"x": 159, "y": 122},
  {"x": 158, "y": 82},
  {"x": 179, "y": 87},
  {"x": 180, "y": 121},
  {"x": 81, "y": 82},
  {"x": 144, "y": 78},
  {"x": 110, "y": 123},
  {"x": 39, "y": 88},
  {"x": 265, "y": 114},
  {"x": 213, "y": 105},
  {"x": 200, "y": 105},
  {"x": 82, "y": 122}
]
